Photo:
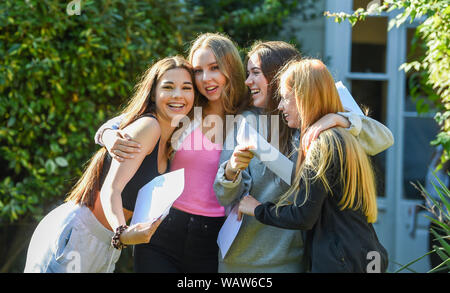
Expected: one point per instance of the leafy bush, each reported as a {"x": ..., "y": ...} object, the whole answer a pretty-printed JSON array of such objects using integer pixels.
[
  {"x": 61, "y": 77},
  {"x": 440, "y": 211},
  {"x": 246, "y": 21},
  {"x": 63, "y": 73}
]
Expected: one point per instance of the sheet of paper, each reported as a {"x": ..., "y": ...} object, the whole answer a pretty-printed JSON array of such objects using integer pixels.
[
  {"x": 155, "y": 198},
  {"x": 347, "y": 100},
  {"x": 265, "y": 152},
  {"x": 228, "y": 232}
]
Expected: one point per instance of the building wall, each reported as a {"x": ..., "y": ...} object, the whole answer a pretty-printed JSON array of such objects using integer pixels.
[{"x": 310, "y": 33}]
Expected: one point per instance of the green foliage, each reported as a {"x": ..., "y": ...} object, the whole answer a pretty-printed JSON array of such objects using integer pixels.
[
  {"x": 61, "y": 76},
  {"x": 247, "y": 21},
  {"x": 440, "y": 209},
  {"x": 434, "y": 66}
]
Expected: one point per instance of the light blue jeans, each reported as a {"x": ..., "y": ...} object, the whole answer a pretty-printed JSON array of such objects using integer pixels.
[{"x": 70, "y": 240}]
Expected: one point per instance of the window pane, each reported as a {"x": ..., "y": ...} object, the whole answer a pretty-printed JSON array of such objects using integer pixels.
[
  {"x": 379, "y": 168},
  {"x": 371, "y": 95},
  {"x": 369, "y": 45},
  {"x": 417, "y": 153}
]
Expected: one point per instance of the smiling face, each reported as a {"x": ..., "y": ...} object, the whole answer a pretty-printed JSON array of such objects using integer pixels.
[
  {"x": 174, "y": 95},
  {"x": 210, "y": 81},
  {"x": 257, "y": 82},
  {"x": 288, "y": 104}
]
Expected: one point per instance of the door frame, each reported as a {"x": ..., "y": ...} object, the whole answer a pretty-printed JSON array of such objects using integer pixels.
[{"x": 391, "y": 222}]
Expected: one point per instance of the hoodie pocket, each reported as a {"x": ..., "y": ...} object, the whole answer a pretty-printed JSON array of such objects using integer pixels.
[{"x": 65, "y": 244}]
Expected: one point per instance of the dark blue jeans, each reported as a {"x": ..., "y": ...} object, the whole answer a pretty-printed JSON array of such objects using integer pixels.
[{"x": 183, "y": 243}]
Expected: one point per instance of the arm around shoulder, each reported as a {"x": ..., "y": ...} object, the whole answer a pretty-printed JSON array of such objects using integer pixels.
[
  {"x": 110, "y": 124},
  {"x": 373, "y": 136},
  {"x": 147, "y": 131}
]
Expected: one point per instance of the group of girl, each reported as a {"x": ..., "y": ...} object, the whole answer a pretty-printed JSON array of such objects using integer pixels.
[{"x": 320, "y": 223}]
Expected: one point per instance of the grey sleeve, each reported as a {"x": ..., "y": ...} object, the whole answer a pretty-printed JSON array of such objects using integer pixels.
[
  {"x": 229, "y": 192},
  {"x": 373, "y": 136},
  {"x": 110, "y": 124}
]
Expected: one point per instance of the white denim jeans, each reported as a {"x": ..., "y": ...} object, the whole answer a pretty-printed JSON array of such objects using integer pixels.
[{"x": 71, "y": 240}]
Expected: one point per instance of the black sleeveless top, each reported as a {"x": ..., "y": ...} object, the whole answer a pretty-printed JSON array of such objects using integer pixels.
[{"x": 146, "y": 172}]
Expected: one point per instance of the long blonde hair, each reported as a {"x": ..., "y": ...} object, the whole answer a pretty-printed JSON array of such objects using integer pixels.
[
  {"x": 143, "y": 101},
  {"x": 316, "y": 95},
  {"x": 235, "y": 94}
]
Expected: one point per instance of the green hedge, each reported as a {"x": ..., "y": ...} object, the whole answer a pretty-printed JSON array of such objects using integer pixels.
[{"x": 61, "y": 77}]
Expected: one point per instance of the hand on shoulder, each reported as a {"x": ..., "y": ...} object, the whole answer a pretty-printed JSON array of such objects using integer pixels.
[{"x": 146, "y": 131}]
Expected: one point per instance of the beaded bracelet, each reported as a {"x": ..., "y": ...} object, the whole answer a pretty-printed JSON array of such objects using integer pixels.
[{"x": 115, "y": 242}]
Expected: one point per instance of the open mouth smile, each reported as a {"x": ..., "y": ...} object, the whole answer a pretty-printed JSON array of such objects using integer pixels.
[
  {"x": 211, "y": 89},
  {"x": 176, "y": 106}
]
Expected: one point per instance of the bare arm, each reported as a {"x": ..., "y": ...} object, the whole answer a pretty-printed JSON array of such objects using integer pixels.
[
  {"x": 146, "y": 131},
  {"x": 120, "y": 145}
]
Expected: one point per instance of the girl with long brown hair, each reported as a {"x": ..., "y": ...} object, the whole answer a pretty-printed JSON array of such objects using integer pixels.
[
  {"x": 78, "y": 235},
  {"x": 333, "y": 196},
  {"x": 187, "y": 239}
]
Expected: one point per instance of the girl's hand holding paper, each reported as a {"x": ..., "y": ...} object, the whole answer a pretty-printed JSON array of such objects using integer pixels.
[
  {"x": 140, "y": 232},
  {"x": 240, "y": 159}
]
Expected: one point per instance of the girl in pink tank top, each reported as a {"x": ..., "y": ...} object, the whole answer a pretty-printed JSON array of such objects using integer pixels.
[{"x": 198, "y": 196}]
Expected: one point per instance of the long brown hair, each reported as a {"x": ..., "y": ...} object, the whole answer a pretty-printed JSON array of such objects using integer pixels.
[
  {"x": 143, "y": 101},
  {"x": 273, "y": 55},
  {"x": 316, "y": 95},
  {"x": 235, "y": 94}
]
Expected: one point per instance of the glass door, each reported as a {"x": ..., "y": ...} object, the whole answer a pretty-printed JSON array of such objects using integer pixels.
[{"x": 366, "y": 58}]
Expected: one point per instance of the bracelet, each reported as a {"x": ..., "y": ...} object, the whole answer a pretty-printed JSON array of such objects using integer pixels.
[{"x": 115, "y": 242}]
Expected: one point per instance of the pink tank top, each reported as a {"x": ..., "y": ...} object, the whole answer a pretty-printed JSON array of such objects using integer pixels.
[{"x": 200, "y": 159}]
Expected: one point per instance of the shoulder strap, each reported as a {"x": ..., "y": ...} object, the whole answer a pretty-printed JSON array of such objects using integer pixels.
[{"x": 148, "y": 115}]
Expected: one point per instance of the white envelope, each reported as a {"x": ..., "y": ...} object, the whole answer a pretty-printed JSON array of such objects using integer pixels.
[
  {"x": 347, "y": 100},
  {"x": 265, "y": 152},
  {"x": 155, "y": 198},
  {"x": 228, "y": 232}
]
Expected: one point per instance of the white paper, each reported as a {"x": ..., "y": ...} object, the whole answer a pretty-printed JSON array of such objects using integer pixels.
[
  {"x": 347, "y": 100},
  {"x": 228, "y": 232},
  {"x": 155, "y": 198},
  {"x": 265, "y": 152}
]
